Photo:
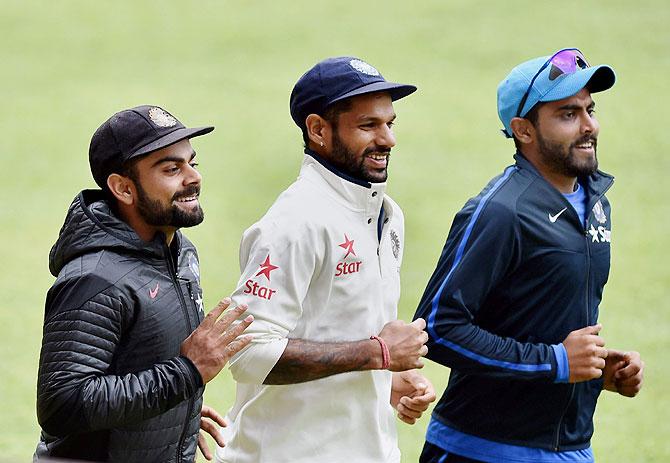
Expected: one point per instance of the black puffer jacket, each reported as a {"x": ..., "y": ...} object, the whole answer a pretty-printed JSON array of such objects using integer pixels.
[{"x": 112, "y": 385}]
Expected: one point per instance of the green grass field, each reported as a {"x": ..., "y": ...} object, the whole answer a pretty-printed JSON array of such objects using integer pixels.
[{"x": 68, "y": 65}]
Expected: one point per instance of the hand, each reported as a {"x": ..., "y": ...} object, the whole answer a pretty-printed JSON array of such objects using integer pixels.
[
  {"x": 623, "y": 372},
  {"x": 214, "y": 342},
  {"x": 586, "y": 354},
  {"x": 211, "y": 429},
  {"x": 406, "y": 343},
  {"x": 411, "y": 394}
]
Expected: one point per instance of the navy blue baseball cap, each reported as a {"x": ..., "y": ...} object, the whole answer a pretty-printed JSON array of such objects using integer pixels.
[
  {"x": 548, "y": 78},
  {"x": 131, "y": 133},
  {"x": 335, "y": 79}
]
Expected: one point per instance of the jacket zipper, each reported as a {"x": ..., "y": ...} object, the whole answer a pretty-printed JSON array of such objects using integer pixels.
[
  {"x": 588, "y": 311},
  {"x": 182, "y": 301}
]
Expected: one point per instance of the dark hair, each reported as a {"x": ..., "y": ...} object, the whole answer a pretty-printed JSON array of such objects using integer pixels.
[
  {"x": 532, "y": 116},
  {"x": 331, "y": 114}
]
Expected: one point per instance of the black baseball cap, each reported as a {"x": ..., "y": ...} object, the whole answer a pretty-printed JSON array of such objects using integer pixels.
[
  {"x": 131, "y": 133},
  {"x": 335, "y": 79}
]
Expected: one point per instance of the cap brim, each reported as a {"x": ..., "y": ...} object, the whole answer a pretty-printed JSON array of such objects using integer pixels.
[
  {"x": 396, "y": 91},
  {"x": 595, "y": 79},
  {"x": 170, "y": 139}
]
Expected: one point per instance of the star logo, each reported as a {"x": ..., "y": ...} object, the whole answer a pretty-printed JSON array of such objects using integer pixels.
[
  {"x": 348, "y": 245},
  {"x": 594, "y": 234},
  {"x": 199, "y": 302},
  {"x": 266, "y": 268}
]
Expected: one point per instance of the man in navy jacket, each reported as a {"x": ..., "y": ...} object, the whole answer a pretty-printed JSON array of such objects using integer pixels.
[{"x": 512, "y": 307}]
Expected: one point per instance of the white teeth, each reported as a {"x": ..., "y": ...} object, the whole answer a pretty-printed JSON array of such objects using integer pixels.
[{"x": 185, "y": 200}]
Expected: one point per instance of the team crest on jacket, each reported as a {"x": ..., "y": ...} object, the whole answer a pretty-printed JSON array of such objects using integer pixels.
[
  {"x": 395, "y": 244},
  {"x": 259, "y": 290},
  {"x": 347, "y": 268},
  {"x": 599, "y": 212},
  {"x": 194, "y": 266}
]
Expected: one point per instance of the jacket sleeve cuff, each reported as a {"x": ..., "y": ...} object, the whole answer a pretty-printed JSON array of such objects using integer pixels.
[
  {"x": 562, "y": 365},
  {"x": 255, "y": 362},
  {"x": 194, "y": 371}
]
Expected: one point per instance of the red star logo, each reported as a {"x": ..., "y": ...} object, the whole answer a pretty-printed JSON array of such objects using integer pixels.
[
  {"x": 348, "y": 245},
  {"x": 266, "y": 268}
]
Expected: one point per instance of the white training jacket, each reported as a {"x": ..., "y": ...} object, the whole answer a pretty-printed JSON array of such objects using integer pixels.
[{"x": 313, "y": 268}]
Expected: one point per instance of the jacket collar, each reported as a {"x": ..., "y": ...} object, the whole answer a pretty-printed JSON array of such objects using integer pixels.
[
  {"x": 352, "y": 193},
  {"x": 91, "y": 226}
]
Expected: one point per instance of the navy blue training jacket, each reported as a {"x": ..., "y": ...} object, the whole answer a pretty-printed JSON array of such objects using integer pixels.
[{"x": 518, "y": 273}]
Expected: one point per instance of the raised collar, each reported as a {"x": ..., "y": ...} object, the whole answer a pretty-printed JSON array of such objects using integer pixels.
[{"x": 352, "y": 193}]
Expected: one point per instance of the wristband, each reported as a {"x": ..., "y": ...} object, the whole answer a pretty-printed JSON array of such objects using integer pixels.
[{"x": 386, "y": 355}]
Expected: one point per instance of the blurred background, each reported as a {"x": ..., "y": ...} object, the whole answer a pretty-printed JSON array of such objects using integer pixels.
[{"x": 68, "y": 65}]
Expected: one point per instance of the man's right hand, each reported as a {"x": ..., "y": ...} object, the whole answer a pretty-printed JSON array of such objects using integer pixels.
[
  {"x": 215, "y": 341},
  {"x": 586, "y": 353},
  {"x": 406, "y": 343}
]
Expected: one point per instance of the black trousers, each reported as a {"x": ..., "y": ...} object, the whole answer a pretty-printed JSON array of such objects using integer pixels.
[{"x": 434, "y": 454}]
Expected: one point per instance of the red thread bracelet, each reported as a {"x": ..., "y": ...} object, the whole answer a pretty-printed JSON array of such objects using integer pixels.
[{"x": 386, "y": 355}]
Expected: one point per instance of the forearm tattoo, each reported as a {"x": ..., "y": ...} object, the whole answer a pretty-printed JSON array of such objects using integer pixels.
[{"x": 306, "y": 360}]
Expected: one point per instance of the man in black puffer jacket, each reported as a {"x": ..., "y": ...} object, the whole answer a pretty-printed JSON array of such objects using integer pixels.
[{"x": 126, "y": 349}]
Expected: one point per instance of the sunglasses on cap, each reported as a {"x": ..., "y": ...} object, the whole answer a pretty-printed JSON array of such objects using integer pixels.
[{"x": 566, "y": 61}]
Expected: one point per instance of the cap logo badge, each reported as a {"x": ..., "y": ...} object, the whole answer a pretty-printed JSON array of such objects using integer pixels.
[
  {"x": 161, "y": 118},
  {"x": 362, "y": 66}
]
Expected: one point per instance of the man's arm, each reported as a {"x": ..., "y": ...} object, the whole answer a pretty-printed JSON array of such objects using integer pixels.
[
  {"x": 304, "y": 360},
  {"x": 75, "y": 392},
  {"x": 478, "y": 254}
]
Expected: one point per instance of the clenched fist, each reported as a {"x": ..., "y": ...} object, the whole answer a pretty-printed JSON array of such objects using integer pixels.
[{"x": 406, "y": 343}]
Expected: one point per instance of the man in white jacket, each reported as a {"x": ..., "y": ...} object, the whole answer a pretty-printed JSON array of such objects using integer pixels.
[{"x": 320, "y": 272}]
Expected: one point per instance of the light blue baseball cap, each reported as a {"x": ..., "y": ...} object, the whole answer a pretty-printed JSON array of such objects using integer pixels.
[{"x": 548, "y": 78}]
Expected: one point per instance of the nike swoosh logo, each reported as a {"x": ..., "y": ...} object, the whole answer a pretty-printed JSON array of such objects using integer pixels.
[
  {"x": 154, "y": 292},
  {"x": 554, "y": 218}
]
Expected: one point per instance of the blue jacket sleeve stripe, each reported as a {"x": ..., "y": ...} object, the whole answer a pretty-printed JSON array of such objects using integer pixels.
[
  {"x": 436, "y": 299},
  {"x": 562, "y": 363}
]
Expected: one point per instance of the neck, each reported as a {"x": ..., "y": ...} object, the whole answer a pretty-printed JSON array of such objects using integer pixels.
[
  {"x": 145, "y": 231},
  {"x": 561, "y": 182}
]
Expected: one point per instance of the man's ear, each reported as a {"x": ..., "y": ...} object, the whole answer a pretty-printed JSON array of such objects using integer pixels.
[
  {"x": 122, "y": 188},
  {"x": 523, "y": 130},
  {"x": 318, "y": 130}
]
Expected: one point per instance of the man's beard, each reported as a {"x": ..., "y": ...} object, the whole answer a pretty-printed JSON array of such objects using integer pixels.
[
  {"x": 156, "y": 214},
  {"x": 346, "y": 160},
  {"x": 564, "y": 160}
]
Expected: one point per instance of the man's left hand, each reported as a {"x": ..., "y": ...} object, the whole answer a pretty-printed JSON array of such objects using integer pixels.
[
  {"x": 209, "y": 418},
  {"x": 623, "y": 373},
  {"x": 411, "y": 394}
]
